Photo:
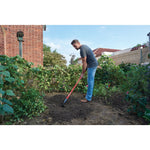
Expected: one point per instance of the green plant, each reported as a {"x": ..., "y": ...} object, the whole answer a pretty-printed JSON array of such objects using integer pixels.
[
  {"x": 146, "y": 115},
  {"x": 125, "y": 66},
  {"x": 29, "y": 104},
  {"x": 15, "y": 76},
  {"x": 109, "y": 72},
  {"x": 100, "y": 90},
  {"x": 52, "y": 58},
  {"x": 5, "y": 93},
  {"x": 137, "y": 103},
  {"x": 27, "y": 84},
  {"x": 105, "y": 90},
  {"x": 137, "y": 87}
]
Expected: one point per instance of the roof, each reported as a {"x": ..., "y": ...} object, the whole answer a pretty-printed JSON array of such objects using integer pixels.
[
  {"x": 98, "y": 51},
  {"x": 137, "y": 47},
  {"x": 122, "y": 51}
]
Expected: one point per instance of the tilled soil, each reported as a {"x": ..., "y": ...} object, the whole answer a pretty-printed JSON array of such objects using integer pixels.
[{"x": 98, "y": 112}]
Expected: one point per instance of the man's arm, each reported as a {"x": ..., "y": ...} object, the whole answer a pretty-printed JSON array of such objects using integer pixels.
[{"x": 84, "y": 65}]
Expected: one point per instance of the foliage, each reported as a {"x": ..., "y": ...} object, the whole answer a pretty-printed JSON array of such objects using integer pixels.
[
  {"x": 15, "y": 71},
  {"x": 75, "y": 62},
  {"x": 125, "y": 66},
  {"x": 138, "y": 46},
  {"x": 5, "y": 93},
  {"x": 137, "y": 87},
  {"x": 56, "y": 78},
  {"x": 46, "y": 48},
  {"x": 109, "y": 72},
  {"x": 52, "y": 58},
  {"x": 147, "y": 115},
  {"x": 23, "y": 86},
  {"x": 105, "y": 90},
  {"x": 29, "y": 104}
]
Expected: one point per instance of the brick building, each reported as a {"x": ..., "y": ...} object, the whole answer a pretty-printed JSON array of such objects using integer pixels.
[{"x": 32, "y": 42}]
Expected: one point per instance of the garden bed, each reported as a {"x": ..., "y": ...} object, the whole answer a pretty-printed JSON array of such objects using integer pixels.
[
  {"x": 22, "y": 88},
  {"x": 96, "y": 112}
]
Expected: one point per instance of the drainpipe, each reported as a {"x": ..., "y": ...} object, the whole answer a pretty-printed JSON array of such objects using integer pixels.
[
  {"x": 20, "y": 39},
  {"x": 20, "y": 48}
]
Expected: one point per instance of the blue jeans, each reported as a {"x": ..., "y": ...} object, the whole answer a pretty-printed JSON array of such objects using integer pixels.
[{"x": 90, "y": 80}]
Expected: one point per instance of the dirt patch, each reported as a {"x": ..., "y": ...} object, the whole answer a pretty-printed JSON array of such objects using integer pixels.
[
  {"x": 117, "y": 101},
  {"x": 73, "y": 108},
  {"x": 97, "y": 112}
]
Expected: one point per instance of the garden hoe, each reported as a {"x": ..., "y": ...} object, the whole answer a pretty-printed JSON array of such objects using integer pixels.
[{"x": 71, "y": 92}]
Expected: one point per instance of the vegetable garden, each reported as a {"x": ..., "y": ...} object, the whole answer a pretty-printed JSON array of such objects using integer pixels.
[{"x": 28, "y": 92}]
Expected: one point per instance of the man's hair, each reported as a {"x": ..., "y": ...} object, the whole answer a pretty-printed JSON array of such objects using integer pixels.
[{"x": 75, "y": 41}]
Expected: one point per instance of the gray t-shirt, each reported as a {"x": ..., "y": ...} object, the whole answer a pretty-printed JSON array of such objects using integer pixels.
[{"x": 85, "y": 51}]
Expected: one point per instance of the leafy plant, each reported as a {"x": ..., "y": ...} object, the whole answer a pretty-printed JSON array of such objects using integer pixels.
[
  {"x": 109, "y": 72},
  {"x": 105, "y": 90},
  {"x": 22, "y": 85},
  {"x": 5, "y": 94},
  {"x": 28, "y": 105},
  {"x": 15, "y": 73},
  {"x": 52, "y": 58},
  {"x": 137, "y": 85},
  {"x": 126, "y": 66}
]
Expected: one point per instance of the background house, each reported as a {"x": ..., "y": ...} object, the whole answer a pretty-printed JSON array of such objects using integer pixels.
[
  {"x": 127, "y": 55},
  {"x": 132, "y": 56},
  {"x": 32, "y": 42},
  {"x": 121, "y": 52}
]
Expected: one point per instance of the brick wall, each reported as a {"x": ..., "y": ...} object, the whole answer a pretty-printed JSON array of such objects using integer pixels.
[
  {"x": 32, "y": 45},
  {"x": 132, "y": 57}
]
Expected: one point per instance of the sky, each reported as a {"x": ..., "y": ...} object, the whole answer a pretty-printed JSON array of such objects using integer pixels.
[{"x": 120, "y": 37}]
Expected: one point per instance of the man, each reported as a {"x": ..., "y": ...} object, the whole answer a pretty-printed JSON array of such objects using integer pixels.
[{"x": 88, "y": 61}]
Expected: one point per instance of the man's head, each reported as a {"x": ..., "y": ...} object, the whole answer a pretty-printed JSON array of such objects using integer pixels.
[{"x": 76, "y": 44}]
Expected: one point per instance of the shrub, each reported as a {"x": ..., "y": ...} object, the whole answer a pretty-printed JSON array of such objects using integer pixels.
[
  {"x": 28, "y": 105},
  {"x": 105, "y": 90},
  {"x": 26, "y": 84},
  {"x": 5, "y": 92},
  {"x": 137, "y": 88},
  {"x": 126, "y": 66},
  {"x": 109, "y": 72},
  {"x": 16, "y": 72},
  {"x": 52, "y": 58},
  {"x": 57, "y": 78}
]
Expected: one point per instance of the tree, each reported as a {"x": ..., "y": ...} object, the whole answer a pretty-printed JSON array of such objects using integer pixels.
[
  {"x": 46, "y": 48},
  {"x": 138, "y": 45},
  {"x": 72, "y": 59},
  {"x": 52, "y": 58}
]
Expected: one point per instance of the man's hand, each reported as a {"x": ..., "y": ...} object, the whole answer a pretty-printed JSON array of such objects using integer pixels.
[{"x": 82, "y": 74}]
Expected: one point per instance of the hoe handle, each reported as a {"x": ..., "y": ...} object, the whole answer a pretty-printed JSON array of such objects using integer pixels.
[{"x": 73, "y": 88}]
